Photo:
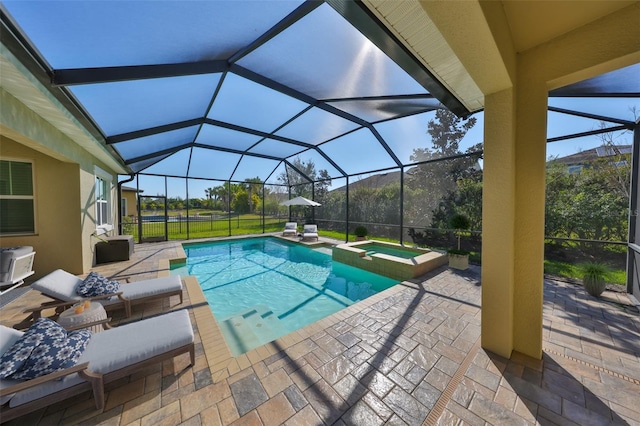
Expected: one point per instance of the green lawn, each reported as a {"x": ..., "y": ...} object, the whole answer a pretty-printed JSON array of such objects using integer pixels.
[
  {"x": 570, "y": 270},
  {"x": 252, "y": 224}
]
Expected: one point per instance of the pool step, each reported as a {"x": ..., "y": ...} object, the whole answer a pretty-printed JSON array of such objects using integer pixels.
[
  {"x": 251, "y": 328},
  {"x": 324, "y": 250}
]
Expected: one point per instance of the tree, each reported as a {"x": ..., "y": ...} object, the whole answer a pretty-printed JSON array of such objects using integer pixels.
[
  {"x": 253, "y": 186},
  {"x": 589, "y": 204},
  {"x": 220, "y": 193},
  {"x": 297, "y": 182},
  {"x": 428, "y": 184},
  {"x": 209, "y": 193}
]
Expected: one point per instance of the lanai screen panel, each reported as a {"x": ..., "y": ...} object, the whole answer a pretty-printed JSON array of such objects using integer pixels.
[
  {"x": 406, "y": 135},
  {"x": 381, "y": 109},
  {"x": 358, "y": 152},
  {"x": 222, "y": 137},
  {"x": 277, "y": 148},
  {"x": 156, "y": 143},
  {"x": 126, "y": 106},
  {"x": 143, "y": 33},
  {"x": 315, "y": 126},
  {"x": 169, "y": 165},
  {"x": 322, "y": 163},
  {"x": 248, "y": 104},
  {"x": 210, "y": 164},
  {"x": 332, "y": 60},
  {"x": 295, "y": 75},
  {"x": 254, "y": 167}
]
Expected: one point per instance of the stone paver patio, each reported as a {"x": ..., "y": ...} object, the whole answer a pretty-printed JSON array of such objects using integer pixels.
[{"x": 410, "y": 355}]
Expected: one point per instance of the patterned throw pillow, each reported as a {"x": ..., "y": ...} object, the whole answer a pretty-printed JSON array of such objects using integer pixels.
[
  {"x": 97, "y": 285},
  {"x": 54, "y": 354},
  {"x": 18, "y": 354}
]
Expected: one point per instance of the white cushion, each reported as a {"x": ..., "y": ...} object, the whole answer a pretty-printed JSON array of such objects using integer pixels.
[
  {"x": 120, "y": 347},
  {"x": 59, "y": 284},
  {"x": 62, "y": 285},
  {"x": 152, "y": 287}
]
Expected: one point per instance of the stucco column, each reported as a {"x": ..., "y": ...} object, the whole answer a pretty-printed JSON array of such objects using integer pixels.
[
  {"x": 498, "y": 222},
  {"x": 531, "y": 138},
  {"x": 513, "y": 217}
]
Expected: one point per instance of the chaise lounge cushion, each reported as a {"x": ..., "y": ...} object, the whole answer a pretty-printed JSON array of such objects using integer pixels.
[
  {"x": 143, "y": 340},
  {"x": 62, "y": 285},
  {"x": 119, "y": 347}
]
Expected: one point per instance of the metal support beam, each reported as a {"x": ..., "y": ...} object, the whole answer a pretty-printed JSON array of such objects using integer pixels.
[
  {"x": 633, "y": 210},
  {"x": 78, "y": 76},
  {"x": 363, "y": 19}
]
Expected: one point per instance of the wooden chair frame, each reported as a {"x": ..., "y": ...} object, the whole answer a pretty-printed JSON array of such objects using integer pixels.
[{"x": 93, "y": 381}]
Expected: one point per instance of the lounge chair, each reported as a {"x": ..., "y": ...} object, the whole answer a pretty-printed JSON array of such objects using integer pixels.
[
  {"x": 310, "y": 231},
  {"x": 290, "y": 228},
  {"x": 61, "y": 286},
  {"x": 109, "y": 355},
  {"x": 16, "y": 264}
]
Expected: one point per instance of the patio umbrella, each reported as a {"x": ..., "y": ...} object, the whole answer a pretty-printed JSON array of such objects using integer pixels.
[{"x": 300, "y": 201}]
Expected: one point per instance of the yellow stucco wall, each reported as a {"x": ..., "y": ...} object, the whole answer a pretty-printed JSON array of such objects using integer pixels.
[
  {"x": 514, "y": 169},
  {"x": 132, "y": 206},
  {"x": 57, "y": 191},
  {"x": 64, "y": 185}
]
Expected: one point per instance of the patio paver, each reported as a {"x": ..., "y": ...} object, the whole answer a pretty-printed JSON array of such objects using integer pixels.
[{"x": 409, "y": 355}]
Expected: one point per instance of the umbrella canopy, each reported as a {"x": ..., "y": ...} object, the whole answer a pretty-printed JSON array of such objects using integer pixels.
[{"x": 300, "y": 201}]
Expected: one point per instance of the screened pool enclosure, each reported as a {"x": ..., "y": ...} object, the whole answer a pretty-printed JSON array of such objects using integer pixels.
[{"x": 221, "y": 110}]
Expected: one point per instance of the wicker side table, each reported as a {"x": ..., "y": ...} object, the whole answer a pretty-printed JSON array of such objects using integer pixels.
[{"x": 95, "y": 312}]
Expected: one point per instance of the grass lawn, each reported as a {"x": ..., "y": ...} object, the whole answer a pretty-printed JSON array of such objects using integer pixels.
[
  {"x": 252, "y": 224},
  {"x": 570, "y": 270}
]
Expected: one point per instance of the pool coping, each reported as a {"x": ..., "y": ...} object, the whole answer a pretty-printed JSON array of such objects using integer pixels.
[{"x": 222, "y": 363}]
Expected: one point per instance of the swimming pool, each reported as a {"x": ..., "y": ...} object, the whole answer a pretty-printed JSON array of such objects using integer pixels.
[{"x": 260, "y": 289}]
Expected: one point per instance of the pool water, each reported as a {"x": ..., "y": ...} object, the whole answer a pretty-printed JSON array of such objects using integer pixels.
[
  {"x": 377, "y": 248},
  {"x": 260, "y": 289}
]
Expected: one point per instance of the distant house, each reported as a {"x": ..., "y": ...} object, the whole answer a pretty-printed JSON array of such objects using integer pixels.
[
  {"x": 129, "y": 201},
  {"x": 620, "y": 154}
]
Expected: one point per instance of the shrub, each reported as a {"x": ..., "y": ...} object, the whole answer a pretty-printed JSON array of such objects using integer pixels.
[{"x": 361, "y": 231}]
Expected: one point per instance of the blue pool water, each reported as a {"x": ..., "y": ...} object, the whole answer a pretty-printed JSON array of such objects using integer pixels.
[
  {"x": 392, "y": 251},
  {"x": 262, "y": 288}
]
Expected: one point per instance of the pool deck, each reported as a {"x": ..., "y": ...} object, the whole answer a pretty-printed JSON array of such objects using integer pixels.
[{"x": 409, "y": 355}]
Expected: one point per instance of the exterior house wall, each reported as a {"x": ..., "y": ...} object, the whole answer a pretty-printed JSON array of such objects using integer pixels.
[
  {"x": 64, "y": 189},
  {"x": 132, "y": 202}
]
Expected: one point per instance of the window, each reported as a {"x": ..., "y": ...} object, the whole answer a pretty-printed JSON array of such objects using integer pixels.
[
  {"x": 103, "y": 201},
  {"x": 17, "y": 203}
]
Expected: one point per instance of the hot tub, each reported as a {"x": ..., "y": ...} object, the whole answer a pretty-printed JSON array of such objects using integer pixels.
[{"x": 388, "y": 259}]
